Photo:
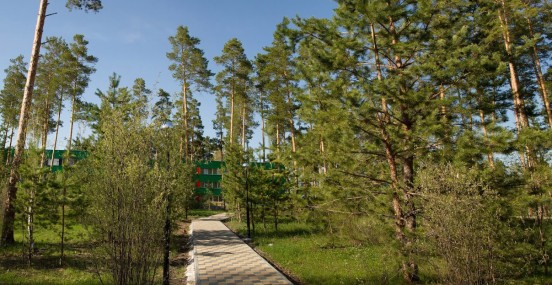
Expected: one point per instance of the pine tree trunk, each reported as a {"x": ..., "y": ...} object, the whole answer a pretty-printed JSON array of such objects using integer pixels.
[
  {"x": 519, "y": 104},
  {"x": 322, "y": 152},
  {"x": 542, "y": 237},
  {"x": 185, "y": 119},
  {"x": 72, "y": 120},
  {"x": 243, "y": 126},
  {"x": 540, "y": 78},
  {"x": 45, "y": 129},
  {"x": 278, "y": 141},
  {"x": 522, "y": 121},
  {"x": 64, "y": 192},
  {"x": 490, "y": 156},
  {"x": 5, "y": 136},
  {"x": 410, "y": 269},
  {"x": 62, "y": 245},
  {"x": 9, "y": 207},
  {"x": 57, "y": 128},
  {"x": 30, "y": 227},
  {"x": 9, "y": 147},
  {"x": 275, "y": 215},
  {"x": 262, "y": 126},
  {"x": 232, "y": 97}
]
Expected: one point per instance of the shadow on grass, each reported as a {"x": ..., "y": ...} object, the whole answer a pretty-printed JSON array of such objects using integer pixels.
[
  {"x": 285, "y": 232},
  {"x": 46, "y": 256}
]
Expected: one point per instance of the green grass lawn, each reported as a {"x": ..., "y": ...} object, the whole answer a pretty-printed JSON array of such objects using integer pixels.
[
  {"x": 200, "y": 213},
  {"x": 78, "y": 268},
  {"x": 311, "y": 257}
]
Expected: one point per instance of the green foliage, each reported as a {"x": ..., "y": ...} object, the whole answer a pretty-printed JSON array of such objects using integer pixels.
[
  {"x": 233, "y": 91},
  {"x": 86, "y": 5},
  {"x": 12, "y": 92},
  {"x": 124, "y": 211},
  {"x": 462, "y": 223}
]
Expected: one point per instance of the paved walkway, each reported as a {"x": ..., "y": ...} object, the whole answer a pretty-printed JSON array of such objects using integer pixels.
[{"x": 220, "y": 257}]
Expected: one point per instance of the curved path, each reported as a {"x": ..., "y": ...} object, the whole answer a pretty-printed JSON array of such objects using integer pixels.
[{"x": 220, "y": 257}]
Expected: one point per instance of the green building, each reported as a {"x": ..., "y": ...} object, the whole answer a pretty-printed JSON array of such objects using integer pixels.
[{"x": 208, "y": 176}]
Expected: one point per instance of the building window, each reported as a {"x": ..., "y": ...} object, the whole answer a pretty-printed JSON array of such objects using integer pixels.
[{"x": 57, "y": 162}]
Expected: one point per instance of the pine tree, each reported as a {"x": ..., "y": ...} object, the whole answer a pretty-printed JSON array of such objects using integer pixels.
[
  {"x": 162, "y": 109},
  {"x": 50, "y": 86},
  {"x": 277, "y": 70},
  {"x": 234, "y": 85},
  {"x": 190, "y": 68},
  {"x": 382, "y": 63},
  {"x": 140, "y": 94},
  {"x": 81, "y": 67},
  {"x": 10, "y": 97},
  {"x": 8, "y": 209}
]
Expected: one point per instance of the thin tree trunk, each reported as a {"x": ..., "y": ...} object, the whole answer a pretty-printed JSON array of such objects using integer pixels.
[
  {"x": 519, "y": 105},
  {"x": 263, "y": 127},
  {"x": 540, "y": 78},
  {"x": 45, "y": 129},
  {"x": 57, "y": 127},
  {"x": 62, "y": 246},
  {"x": 542, "y": 237},
  {"x": 8, "y": 207},
  {"x": 232, "y": 97},
  {"x": 30, "y": 227},
  {"x": 490, "y": 156},
  {"x": 10, "y": 146},
  {"x": 5, "y": 136},
  {"x": 410, "y": 268},
  {"x": 72, "y": 120},
  {"x": 322, "y": 152},
  {"x": 243, "y": 126},
  {"x": 522, "y": 121},
  {"x": 185, "y": 119},
  {"x": 275, "y": 215},
  {"x": 278, "y": 138}
]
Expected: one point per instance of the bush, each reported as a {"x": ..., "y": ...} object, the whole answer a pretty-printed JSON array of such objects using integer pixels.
[{"x": 461, "y": 225}]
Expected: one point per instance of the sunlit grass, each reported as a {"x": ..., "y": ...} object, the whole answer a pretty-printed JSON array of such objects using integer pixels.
[
  {"x": 200, "y": 213},
  {"x": 77, "y": 269},
  {"x": 314, "y": 258}
]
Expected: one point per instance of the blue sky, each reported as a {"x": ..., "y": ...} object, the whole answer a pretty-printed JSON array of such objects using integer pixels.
[{"x": 132, "y": 39}]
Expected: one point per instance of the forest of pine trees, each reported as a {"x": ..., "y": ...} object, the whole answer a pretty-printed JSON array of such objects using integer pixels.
[{"x": 427, "y": 123}]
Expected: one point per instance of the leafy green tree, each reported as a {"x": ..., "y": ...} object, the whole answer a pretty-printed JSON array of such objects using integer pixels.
[
  {"x": 190, "y": 68},
  {"x": 130, "y": 184},
  {"x": 462, "y": 222}
]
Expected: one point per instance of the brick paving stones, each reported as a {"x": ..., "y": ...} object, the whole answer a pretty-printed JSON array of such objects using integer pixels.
[{"x": 222, "y": 258}]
